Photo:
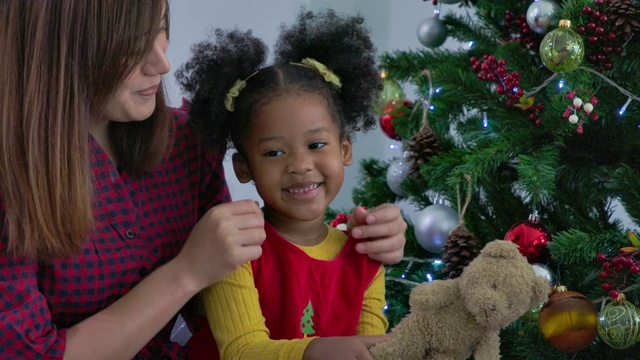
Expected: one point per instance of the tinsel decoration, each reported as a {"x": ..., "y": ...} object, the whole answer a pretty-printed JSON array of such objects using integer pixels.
[
  {"x": 624, "y": 17},
  {"x": 461, "y": 246},
  {"x": 424, "y": 144}
]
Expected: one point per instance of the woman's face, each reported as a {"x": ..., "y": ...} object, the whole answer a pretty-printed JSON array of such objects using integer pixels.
[{"x": 135, "y": 98}]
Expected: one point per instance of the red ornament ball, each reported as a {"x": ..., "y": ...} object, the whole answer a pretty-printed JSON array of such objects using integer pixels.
[
  {"x": 532, "y": 238},
  {"x": 386, "y": 124}
]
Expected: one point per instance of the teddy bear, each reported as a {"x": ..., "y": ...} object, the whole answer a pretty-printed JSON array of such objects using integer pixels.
[{"x": 455, "y": 318}]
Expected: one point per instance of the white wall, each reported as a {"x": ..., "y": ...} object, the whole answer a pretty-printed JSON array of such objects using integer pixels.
[{"x": 393, "y": 25}]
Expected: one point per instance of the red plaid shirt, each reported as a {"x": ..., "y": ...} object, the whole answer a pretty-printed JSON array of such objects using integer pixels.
[{"x": 141, "y": 223}]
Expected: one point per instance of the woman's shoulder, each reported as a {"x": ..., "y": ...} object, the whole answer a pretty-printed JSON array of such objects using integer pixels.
[{"x": 181, "y": 114}]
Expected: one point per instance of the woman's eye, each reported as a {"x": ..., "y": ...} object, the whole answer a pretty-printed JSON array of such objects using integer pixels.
[{"x": 316, "y": 145}]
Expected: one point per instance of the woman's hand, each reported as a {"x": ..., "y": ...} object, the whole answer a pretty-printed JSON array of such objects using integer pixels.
[
  {"x": 227, "y": 236},
  {"x": 384, "y": 227},
  {"x": 342, "y": 348}
]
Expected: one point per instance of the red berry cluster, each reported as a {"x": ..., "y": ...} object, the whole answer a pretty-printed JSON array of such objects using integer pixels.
[
  {"x": 601, "y": 42},
  {"x": 492, "y": 70},
  {"x": 519, "y": 30},
  {"x": 616, "y": 270},
  {"x": 341, "y": 218},
  {"x": 579, "y": 110}
]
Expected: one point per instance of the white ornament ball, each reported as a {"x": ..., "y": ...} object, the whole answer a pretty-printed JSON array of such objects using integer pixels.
[
  {"x": 541, "y": 14},
  {"x": 397, "y": 172},
  {"x": 573, "y": 119},
  {"x": 588, "y": 108},
  {"x": 432, "y": 226},
  {"x": 577, "y": 102},
  {"x": 432, "y": 32}
]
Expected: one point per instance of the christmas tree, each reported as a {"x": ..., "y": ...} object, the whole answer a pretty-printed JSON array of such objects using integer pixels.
[{"x": 528, "y": 134}]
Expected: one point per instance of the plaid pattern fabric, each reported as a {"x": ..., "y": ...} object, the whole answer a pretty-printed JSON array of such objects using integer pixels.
[{"x": 141, "y": 223}]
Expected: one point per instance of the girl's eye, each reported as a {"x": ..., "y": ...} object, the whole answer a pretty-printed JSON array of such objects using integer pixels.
[
  {"x": 273, "y": 153},
  {"x": 316, "y": 145}
]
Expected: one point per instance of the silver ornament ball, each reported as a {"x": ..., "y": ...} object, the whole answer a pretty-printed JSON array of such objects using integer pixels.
[
  {"x": 544, "y": 271},
  {"x": 432, "y": 226},
  {"x": 541, "y": 14},
  {"x": 432, "y": 32},
  {"x": 397, "y": 172}
]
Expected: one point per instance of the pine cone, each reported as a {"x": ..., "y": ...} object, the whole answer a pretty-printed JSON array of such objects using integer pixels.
[
  {"x": 423, "y": 145},
  {"x": 460, "y": 248},
  {"x": 624, "y": 17}
]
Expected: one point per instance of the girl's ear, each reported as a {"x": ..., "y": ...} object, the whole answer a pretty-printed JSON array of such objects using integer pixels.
[
  {"x": 241, "y": 168},
  {"x": 347, "y": 154}
]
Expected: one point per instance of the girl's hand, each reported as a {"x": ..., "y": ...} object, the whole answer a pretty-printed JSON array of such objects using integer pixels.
[
  {"x": 384, "y": 227},
  {"x": 342, "y": 348},
  {"x": 227, "y": 236}
]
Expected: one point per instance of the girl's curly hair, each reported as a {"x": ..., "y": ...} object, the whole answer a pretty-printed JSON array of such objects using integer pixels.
[{"x": 341, "y": 43}]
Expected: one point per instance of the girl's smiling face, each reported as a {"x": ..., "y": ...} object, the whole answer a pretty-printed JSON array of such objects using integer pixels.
[{"x": 295, "y": 155}]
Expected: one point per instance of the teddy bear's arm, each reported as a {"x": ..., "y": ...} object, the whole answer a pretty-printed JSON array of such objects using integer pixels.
[
  {"x": 433, "y": 295},
  {"x": 488, "y": 348}
]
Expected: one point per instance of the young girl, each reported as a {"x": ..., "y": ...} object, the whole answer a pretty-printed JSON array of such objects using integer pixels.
[{"x": 291, "y": 124}]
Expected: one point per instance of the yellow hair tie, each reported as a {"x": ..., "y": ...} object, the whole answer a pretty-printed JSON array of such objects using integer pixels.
[
  {"x": 328, "y": 75},
  {"x": 230, "y": 99}
]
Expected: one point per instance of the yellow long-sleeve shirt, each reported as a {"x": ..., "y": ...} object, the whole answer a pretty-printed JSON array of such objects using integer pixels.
[{"x": 236, "y": 320}]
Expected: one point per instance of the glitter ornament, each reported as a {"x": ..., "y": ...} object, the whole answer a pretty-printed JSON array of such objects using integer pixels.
[
  {"x": 532, "y": 239},
  {"x": 433, "y": 224},
  {"x": 562, "y": 49},
  {"x": 541, "y": 14},
  {"x": 619, "y": 324},
  {"x": 568, "y": 321},
  {"x": 397, "y": 172}
]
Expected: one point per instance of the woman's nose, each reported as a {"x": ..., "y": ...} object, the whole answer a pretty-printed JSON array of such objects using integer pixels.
[{"x": 156, "y": 62}]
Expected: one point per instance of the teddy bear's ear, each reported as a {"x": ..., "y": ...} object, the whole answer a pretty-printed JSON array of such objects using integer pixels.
[
  {"x": 501, "y": 249},
  {"x": 541, "y": 290}
]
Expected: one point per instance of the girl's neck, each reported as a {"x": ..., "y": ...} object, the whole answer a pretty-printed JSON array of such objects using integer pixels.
[{"x": 302, "y": 233}]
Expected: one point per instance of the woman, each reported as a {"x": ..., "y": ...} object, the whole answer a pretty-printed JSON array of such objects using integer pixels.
[{"x": 114, "y": 213}]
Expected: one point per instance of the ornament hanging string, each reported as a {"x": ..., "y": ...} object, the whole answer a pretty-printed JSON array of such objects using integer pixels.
[
  {"x": 426, "y": 102},
  {"x": 462, "y": 210}
]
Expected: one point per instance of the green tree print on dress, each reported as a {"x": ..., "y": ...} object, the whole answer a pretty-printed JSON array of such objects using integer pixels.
[{"x": 306, "y": 323}]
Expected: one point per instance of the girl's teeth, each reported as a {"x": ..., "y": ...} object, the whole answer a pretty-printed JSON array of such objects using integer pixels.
[{"x": 304, "y": 189}]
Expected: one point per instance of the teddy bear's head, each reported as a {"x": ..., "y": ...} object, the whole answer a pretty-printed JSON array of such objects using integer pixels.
[{"x": 500, "y": 285}]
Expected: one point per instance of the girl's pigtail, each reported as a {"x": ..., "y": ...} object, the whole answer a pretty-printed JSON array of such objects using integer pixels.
[
  {"x": 342, "y": 44},
  {"x": 216, "y": 64}
]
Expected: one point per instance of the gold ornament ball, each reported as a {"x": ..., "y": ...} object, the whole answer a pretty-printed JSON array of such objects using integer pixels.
[
  {"x": 562, "y": 50},
  {"x": 619, "y": 324},
  {"x": 391, "y": 97},
  {"x": 568, "y": 321}
]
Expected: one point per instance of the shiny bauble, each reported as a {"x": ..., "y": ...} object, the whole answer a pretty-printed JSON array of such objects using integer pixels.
[
  {"x": 432, "y": 226},
  {"x": 532, "y": 315},
  {"x": 541, "y": 14},
  {"x": 545, "y": 272},
  {"x": 432, "y": 32},
  {"x": 619, "y": 324},
  {"x": 562, "y": 49},
  {"x": 390, "y": 99},
  {"x": 397, "y": 172},
  {"x": 568, "y": 321},
  {"x": 532, "y": 239},
  {"x": 386, "y": 124}
]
